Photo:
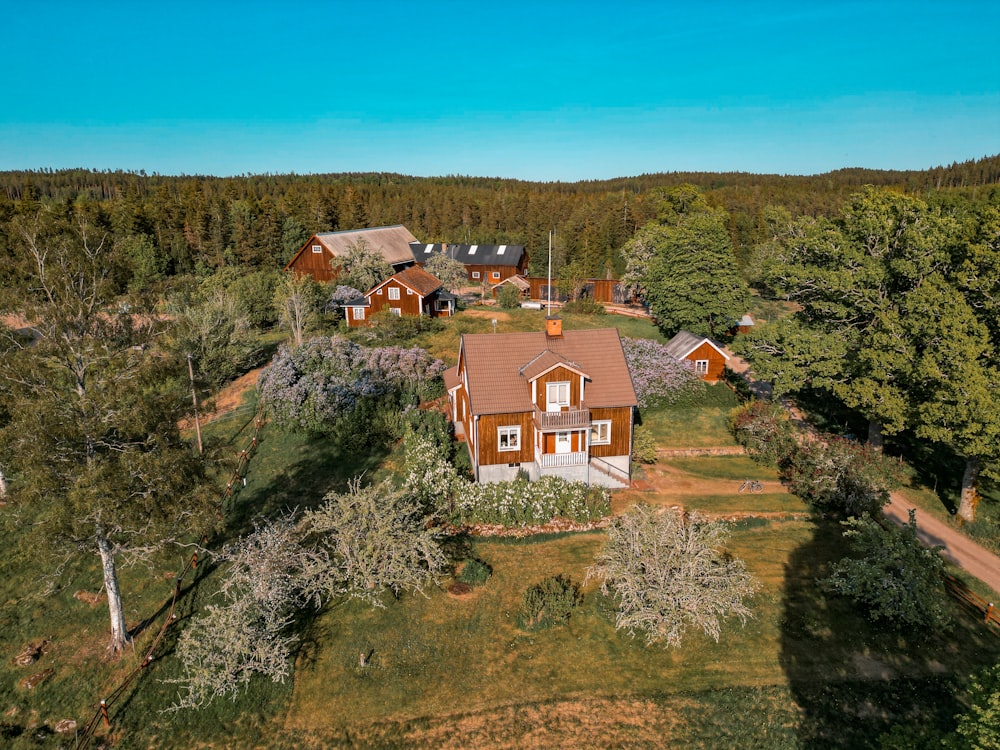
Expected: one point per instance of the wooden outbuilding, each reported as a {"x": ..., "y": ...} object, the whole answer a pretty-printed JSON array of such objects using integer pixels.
[
  {"x": 412, "y": 291},
  {"x": 708, "y": 358},
  {"x": 489, "y": 264}
]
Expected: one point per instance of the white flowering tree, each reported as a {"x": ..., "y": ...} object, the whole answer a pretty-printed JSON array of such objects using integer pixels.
[{"x": 669, "y": 573}]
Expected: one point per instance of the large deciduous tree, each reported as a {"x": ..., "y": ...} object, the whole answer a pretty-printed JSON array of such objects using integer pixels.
[
  {"x": 669, "y": 572},
  {"x": 92, "y": 444},
  {"x": 851, "y": 278},
  {"x": 684, "y": 265}
]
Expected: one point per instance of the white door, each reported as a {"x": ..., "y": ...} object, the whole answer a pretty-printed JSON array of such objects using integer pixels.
[{"x": 563, "y": 442}]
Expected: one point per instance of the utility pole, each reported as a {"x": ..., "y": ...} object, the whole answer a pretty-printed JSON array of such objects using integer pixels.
[{"x": 194, "y": 400}]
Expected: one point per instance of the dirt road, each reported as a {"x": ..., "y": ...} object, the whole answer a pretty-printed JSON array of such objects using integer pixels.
[{"x": 958, "y": 548}]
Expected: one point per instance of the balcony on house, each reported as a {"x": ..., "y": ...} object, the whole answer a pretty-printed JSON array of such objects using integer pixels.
[{"x": 568, "y": 419}]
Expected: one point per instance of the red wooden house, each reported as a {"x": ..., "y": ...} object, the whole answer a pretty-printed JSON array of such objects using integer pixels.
[
  {"x": 483, "y": 263},
  {"x": 318, "y": 257},
  {"x": 559, "y": 402},
  {"x": 409, "y": 292},
  {"x": 708, "y": 357}
]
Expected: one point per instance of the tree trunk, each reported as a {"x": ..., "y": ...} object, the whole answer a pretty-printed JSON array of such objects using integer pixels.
[
  {"x": 3, "y": 484},
  {"x": 970, "y": 498},
  {"x": 875, "y": 441},
  {"x": 119, "y": 633}
]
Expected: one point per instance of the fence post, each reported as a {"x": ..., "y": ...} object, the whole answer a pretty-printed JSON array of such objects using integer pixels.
[
  {"x": 104, "y": 714},
  {"x": 194, "y": 559},
  {"x": 989, "y": 612}
]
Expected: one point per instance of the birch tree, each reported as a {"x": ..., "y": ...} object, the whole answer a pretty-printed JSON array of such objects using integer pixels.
[{"x": 92, "y": 448}]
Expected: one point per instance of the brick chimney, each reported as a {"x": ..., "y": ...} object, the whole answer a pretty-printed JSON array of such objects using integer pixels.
[{"x": 553, "y": 327}]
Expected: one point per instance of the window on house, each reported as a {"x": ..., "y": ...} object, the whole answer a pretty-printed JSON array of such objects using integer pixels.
[
  {"x": 409, "y": 292},
  {"x": 472, "y": 249},
  {"x": 397, "y": 311},
  {"x": 701, "y": 366},
  {"x": 600, "y": 432},
  {"x": 394, "y": 292},
  {"x": 508, "y": 438},
  {"x": 495, "y": 274},
  {"x": 317, "y": 248},
  {"x": 475, "y": 274},
  {"x": 359, "y": 313},
  {"x": 379, "y": 292},
  {"x": 441, "y": 305}
]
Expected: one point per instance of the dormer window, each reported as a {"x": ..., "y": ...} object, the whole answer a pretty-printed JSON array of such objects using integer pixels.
[{"x": 556, "y": 396}]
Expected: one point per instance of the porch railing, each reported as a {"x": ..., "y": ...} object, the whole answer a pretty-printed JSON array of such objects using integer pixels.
[{"x": 555, "y": 460}]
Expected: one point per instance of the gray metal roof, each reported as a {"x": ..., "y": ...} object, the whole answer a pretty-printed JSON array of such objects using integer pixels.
[{"x": 470, "y": 255}]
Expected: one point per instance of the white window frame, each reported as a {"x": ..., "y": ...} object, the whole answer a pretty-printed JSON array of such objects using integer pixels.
[
  {"x": 317, "y": 248},
  {"x": 359, "y": 313},
  {"x": 397, "y": 311},
  {"x": 495, "y": 274},
  {"x": 441, "y": 305},
  {"x": 561, "y": 398},
  {"x": 409, "y": 292},
  {"x": 394, "y": 292},
  {"x": 600, "y": 432},
  {"x": 509, "y": 438},
  {"x": 701, "y": 367},
  {"x": 475, "y": 274}
]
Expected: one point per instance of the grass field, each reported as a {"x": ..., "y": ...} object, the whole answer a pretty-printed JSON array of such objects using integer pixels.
[{"x": 459, "y": 672}]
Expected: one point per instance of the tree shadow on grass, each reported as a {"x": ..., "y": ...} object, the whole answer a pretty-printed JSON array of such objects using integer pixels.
[{"x": 854, "y": 679}]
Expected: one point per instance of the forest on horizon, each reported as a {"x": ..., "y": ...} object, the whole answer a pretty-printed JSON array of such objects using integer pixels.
[{"x": 197, "y": 223}]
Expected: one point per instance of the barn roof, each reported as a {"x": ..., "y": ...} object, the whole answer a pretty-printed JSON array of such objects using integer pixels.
[
  {"x": 392, "y": 242},
  {"x": 470, "y": 255}
]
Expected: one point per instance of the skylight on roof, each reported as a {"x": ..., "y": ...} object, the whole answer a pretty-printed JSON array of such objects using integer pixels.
[
  {"x": 472, "y": 249},
  {"x": 501, "y": 250},
  {"x": 428, "y": 249}
]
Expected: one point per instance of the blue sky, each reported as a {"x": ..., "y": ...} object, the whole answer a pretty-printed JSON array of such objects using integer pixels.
[{"x": 532, "y": 90}]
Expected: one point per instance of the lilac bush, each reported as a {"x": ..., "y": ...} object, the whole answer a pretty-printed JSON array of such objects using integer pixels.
[
  {"x": 524, "y": 503},
  {"x": 658, "y": 378},
  {"x": 325, "y": 379}
]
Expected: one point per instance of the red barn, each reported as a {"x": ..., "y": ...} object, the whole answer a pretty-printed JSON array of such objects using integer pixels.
[{"x": 318, "y": 257}]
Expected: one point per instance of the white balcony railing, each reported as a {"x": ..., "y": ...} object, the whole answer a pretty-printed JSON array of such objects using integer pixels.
[{"x": 555, "y": 460}]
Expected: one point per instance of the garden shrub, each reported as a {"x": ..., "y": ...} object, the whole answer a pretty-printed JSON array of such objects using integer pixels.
[
  {"x": 509, "y": 296},
  {"x": 475, "y": 572},
  {"x": 763, "y": 428},
  {"x": 549, "y": 602},
  {"x": 643, "y": 446},
  {"x": 843, "y": 476},
  {"x": 523, "y": 503},
  {"x": 584, "y": 307},
  {"x": 658, "y": 378}
]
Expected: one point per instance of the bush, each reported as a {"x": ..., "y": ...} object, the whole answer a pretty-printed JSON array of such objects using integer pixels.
[
  {"x": 843, "y": 476},
  {"x": 643, "y": 446},
  {"x": 508, "y": 296},
  {"x": 894, "y": 576},
  {"x": 549, "y": 602},
  {"x": 475, "y": 572},
  {"x": 657, "y": 377},
  {"x": 584, "y": 307},
  {"x": 763, "y": 428},
  {"x": 523, "y": 503}
]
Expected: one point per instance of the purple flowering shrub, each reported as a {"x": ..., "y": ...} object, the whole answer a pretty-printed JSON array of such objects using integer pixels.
[
  {"x": 658, "y": 378},
  {"x": 313, "y": 386}
]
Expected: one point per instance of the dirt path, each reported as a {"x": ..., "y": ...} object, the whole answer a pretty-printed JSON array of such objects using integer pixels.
[{"x": 958, "y": 548}]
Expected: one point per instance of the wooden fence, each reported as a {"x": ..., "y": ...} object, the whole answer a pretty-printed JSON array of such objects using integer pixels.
[
  {"x": 236, "y": 482},
  {"x": 973, "y": 604}
]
